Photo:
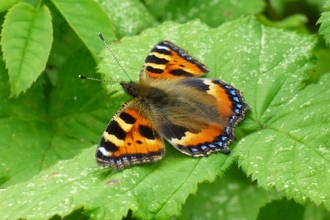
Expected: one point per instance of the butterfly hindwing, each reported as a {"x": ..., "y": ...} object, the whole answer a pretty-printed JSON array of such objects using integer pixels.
[
  {"x": 130, "y": 138},
  {"x": 208, "y": 121},
  {"x": 166, "y": 60}
]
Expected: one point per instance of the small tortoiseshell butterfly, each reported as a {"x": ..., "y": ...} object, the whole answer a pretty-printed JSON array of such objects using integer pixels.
[{"x": 196, "y": 115}]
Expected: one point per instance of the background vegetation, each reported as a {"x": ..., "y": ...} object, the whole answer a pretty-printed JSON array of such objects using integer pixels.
[{"x": 275, "y": 52}]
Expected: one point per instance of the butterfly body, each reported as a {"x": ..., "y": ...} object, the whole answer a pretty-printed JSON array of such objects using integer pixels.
[{"x": 196, "y": 115}]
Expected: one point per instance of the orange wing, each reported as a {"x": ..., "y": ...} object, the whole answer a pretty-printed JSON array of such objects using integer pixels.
[
  {"x": 166, "y": 60},
  {"x": 130, "y": 138}
]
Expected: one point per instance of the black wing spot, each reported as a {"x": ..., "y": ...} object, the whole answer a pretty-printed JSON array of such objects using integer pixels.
[
  {"x": 155, "y": 59},
  {"x": 162, "y": 51},
  {"x": 147, "y": 132},
  {"x": 179, "y": 72},
  {"x": 109, "y": 146},
  {"x": 197, "y": 84},
  {"x": 173, "y": 131},
  {"x": 154, "y": 70},
  {"x": 127, "y": 118},
  {"x": 115, "y": 129}
]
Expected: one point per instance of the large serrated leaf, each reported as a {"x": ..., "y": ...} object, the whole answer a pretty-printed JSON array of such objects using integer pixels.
[
  {"x": 152, "y": 192},
  {"x": 26, "y": 42},
  {"x": 289, "y": 146},
  {"x": 291, "y": 151},
  {"x": 267, "y": 64}
]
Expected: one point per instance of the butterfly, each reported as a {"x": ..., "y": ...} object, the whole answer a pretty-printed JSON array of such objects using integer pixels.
[{"x": 196, "y": 115}]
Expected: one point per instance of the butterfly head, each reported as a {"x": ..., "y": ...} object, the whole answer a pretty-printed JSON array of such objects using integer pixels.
[{"x": 130, "y": 88}]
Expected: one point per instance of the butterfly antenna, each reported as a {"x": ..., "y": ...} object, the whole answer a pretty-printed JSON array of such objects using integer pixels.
[
  {"x": 95, "y": 79},
  {"x": 112, "y": 54}
]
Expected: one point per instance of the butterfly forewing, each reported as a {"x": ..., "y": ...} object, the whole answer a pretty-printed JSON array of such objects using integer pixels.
[
  {"x": 166, "y": 60},
  {"x": 130, "y": 138}
]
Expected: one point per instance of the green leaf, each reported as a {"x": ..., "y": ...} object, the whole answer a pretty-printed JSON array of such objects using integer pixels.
[
  {"x": 129, "y": 17},
  {"x": 283, "y": 8},
  {"x": 281, "y": 209},
  {"x": 4, "y": 5},
  {"x": 315, "y": 212},
  {"x": 230, "y": 197},
  {"x": 26, "y": 42},
  {"x": 87, "y": 19},
  {"x": 291, "y": 150},
  {"x": 212, "y": 13},
  {"x": 158, "y": 8},
  {"x": 289, "y": 145},
  {"x": 83, "y": 111},
  {"x": 33, "y": 138},
  {"x": 324, "y": 20},
  {"x": 108, "y": 194},
  {"x": 296, "y": 22}
]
